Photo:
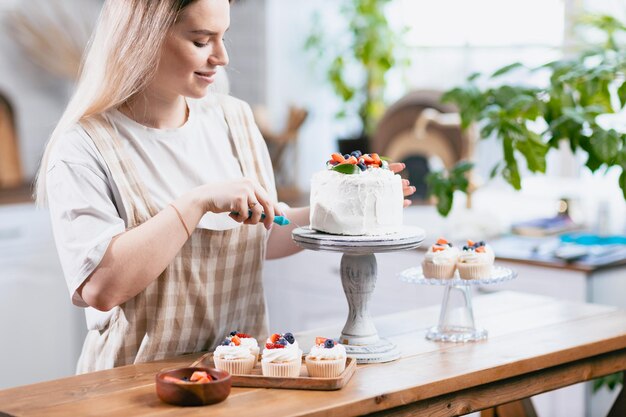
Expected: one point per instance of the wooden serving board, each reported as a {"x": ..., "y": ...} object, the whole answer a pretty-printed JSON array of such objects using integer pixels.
[{"x": 304, "y": 381}]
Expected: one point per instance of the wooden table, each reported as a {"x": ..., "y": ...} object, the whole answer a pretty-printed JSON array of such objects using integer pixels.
[{"x": 535, "y": 344}]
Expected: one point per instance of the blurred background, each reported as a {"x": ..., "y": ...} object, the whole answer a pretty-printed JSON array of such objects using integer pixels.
[{"x": 326, "y": 75}]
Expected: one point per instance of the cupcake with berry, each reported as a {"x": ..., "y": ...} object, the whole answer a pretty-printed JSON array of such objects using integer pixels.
[
  {"x": 247, "y": 341},
  {"x": 327, "y": 359},
  {"x": 475, "y": 260},
  {"x": 440, "y": 260},
  {"x": 231, "y": 356},
  {"x": 281, "y": 357}
]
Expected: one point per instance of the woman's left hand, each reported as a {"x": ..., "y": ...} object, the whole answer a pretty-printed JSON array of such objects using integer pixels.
[{"x": 407, "y": 188}]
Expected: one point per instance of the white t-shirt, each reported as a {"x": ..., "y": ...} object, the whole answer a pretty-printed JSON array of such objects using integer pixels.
[{"x": 83, "y": 199}]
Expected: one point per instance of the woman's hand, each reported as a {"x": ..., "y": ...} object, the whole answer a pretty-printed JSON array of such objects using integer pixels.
[
  {"x": 239, "y": 196},
  {"x": 407, "y": 188}
]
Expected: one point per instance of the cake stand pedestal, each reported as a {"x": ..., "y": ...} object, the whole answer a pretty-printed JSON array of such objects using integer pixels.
[
  {"x": 456, "y": 319},
  {"x": 358, "y": 277}
]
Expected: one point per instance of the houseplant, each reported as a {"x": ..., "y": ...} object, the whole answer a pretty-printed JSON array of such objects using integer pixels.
[
  {"x": 356, "y": 62},
  {"x": 580, "y": 88}
]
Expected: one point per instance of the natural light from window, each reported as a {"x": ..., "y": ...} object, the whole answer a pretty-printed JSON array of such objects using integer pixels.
[{"x": 481, "y": 22}]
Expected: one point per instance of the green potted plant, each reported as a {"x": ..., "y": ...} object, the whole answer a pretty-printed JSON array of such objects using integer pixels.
[
  {"x": 356, "y": 63},
  {"x": 581, "y": 88}
]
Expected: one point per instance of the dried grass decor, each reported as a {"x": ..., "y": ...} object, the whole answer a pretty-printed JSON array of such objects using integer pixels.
[{"x": 53, "y": 33}]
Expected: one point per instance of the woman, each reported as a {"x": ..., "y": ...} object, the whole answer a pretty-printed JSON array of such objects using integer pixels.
[{"x": 139, "y": 179}]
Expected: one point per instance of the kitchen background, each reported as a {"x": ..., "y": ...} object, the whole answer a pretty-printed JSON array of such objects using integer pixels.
[{"x": 41, "y": 332}]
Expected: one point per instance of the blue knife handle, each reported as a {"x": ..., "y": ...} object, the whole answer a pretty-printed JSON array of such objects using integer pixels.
[{"x": 279, "y": 220}]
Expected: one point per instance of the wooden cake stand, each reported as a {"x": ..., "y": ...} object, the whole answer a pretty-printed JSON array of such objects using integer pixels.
[{"x": 358, "y": 277}]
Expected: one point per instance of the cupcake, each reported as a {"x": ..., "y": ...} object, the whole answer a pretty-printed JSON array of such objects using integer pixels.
[
  {"x": 247, "y": 341},
  {"x": 327, "y": 359},
  {"x": 281, "y": 357},
  {"x": 231, "y": 356},
  {"x": 475, "y": 260},
  {"x": 440, "y": 260}
]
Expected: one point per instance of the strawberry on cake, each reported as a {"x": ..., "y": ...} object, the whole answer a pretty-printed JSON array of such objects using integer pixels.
[
  {"x": 440, "y": 260},
  {"x": 475, "y": 260},
  {"x": 356, "y": 195},
  {"x": 281, "y": 357},
  {"x": 231, "y": 356},
  {"x": 247, "y": 341},
  {"x": 327, "y": 359}
]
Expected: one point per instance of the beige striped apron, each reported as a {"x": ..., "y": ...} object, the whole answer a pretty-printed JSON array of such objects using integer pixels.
[{"x": 211, "y": 287}]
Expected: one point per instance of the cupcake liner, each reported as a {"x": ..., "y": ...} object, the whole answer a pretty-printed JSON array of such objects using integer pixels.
[
  {"x": 441, "y": 271},
  {"x": 236, "y": 366},
  {"x": 474, "y": 271},
  {"x": 282, "y": 369},
  {"x": 325, "y": 368}
]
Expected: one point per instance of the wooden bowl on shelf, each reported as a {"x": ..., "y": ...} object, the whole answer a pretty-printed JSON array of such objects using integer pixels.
[{"x": 192, "y": 393}]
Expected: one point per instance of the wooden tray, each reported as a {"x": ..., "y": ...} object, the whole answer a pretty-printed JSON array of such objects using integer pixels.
[{"x": 304, "y": 381}]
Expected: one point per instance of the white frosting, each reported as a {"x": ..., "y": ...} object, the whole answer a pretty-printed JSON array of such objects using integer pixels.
[
  {"x": 232, "y": 352},
  {"x": 286, "y": 354},
  {"x": 441, "y": 257},
  {"x": 249, "y": 342},
  {"x": 369, "y": 203},
  {"x": 473, "y": 257},
  {"x": 322, "y": 353}
]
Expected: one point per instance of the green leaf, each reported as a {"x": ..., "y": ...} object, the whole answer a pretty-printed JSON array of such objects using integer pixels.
[
  {"x": 535, "y": 154},
  {"x": 349, "y": 169},
  {"x": 622, "y": 182},
  {"x": 621, "y": 93},
  {"x": 507, "y": 69},
  {"x": 495, "y": 170},
  {"x": 444, "y": 203},
  {"x": 605, "y": 145},
  {"x": 511, "y": 171}
]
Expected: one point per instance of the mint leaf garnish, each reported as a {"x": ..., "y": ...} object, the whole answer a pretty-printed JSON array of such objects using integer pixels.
[{"x": 347, "y": 169}]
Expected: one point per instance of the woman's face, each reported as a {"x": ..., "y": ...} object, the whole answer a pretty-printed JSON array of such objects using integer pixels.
[{"x": 193, "y": 50}]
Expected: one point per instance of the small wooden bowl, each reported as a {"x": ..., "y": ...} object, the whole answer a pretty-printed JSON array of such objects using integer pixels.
[{"x": 194, "y": 393}]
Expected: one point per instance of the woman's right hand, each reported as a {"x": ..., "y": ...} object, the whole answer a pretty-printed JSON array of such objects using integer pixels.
[{"x": 239, "y": 196}]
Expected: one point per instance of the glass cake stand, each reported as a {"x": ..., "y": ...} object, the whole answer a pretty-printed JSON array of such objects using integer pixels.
[
  {"x": 358, "y": 277},
  {"x": 456, "y": 319}
]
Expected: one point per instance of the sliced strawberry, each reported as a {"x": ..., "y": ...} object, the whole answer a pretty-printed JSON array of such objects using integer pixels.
[
  {"x": 204, "y": 380},
  {"x": 352, "y": 160},
  {"x": 442, "y": 241},
  {"x": 274, "y": 346},
  {"x": 197, "y": 375},
  {"x": 368, "y": 159},
  {"x": 470, "y": 243},
  {"x": 274, "y": 338},
  {"x": 481, "y": 249},
  {"x": 243, "y": 336},
  {"x": 236, "y": 340},
  {"x": 320, "y": 340},
  {"x": 438, "y": 248},
  {"x": 338, "y": 157},
  {"x": 376, "y": 158},
  {"x": 172, "y": 379}
]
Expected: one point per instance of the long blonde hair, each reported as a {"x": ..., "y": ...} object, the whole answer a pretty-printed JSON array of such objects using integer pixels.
[{"x": 120, "y": 61}]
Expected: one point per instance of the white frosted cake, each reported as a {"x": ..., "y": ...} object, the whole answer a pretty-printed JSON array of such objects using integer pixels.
[{"x": 368, "y": 201}]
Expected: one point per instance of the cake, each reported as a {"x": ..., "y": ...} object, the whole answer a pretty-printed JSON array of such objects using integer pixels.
[
  {"x": 281, "y": 357},
  {"x": 231, "y": 356},
  {"x": 356, "y": 195},
  {"x": 327, "y": 359},
  {"x": 440, "y": 260},
  {"x": 247, "y": 341},
  {"x": 475, "y": 260}
]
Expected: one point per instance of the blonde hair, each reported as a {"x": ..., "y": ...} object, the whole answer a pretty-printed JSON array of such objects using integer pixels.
[{"x": 120, "y": 61}]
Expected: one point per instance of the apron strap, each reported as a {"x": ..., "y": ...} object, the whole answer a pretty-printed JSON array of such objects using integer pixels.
[{"x": 137, "y": 202}]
